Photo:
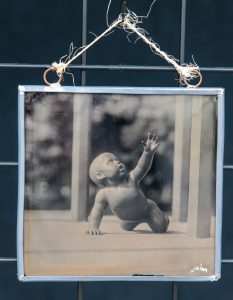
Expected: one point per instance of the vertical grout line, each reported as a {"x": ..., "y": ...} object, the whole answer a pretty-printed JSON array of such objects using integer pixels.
[
  {"x": 182, "y": 60},
  {"x": 83, "y": 83},
  {"x": 174, "y": 290},
  {"x": 84, "y": 41},
  {"x": 182, "y": 31},
  {"x": 80, "y": 290}
]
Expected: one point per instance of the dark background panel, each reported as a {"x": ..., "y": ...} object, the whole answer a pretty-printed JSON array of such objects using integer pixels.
[
  {"x": 8, "y": 211},
  {"x": 128, "y": 290},
  {"x": 132, "y": 78},
  {"x": 209, "y": 31},
  {"x": 222, "y": 289},
  {"x": 11, "y": 288},
  {"x": 38, "y": 31},
  {"x": 227, "y": 230}
]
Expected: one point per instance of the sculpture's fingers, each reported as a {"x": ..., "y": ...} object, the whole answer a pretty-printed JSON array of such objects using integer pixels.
[
  {"x": 148, "y": 136},
  {"x": 89, "y": 232},
  {"x": 156, "y": 139}
]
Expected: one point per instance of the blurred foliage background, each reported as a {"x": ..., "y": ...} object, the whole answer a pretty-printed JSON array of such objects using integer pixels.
[{"x": 49, "y": 127}]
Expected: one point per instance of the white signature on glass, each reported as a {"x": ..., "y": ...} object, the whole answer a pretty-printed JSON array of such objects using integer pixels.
[{"x": 199, "y": 268}]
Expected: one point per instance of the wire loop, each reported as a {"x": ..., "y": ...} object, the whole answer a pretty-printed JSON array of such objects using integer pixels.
[
  {"x": 186, "y": 81},
  {"x": 51, "y": 69}
]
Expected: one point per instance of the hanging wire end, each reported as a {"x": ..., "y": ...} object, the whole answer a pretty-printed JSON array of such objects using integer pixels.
[
  {"x": 123, "y": 8},
  {"x": 123, "y": 12}
]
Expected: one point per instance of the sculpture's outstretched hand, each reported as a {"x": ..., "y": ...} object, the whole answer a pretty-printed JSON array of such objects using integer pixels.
[{"x": 151, "y": 144}]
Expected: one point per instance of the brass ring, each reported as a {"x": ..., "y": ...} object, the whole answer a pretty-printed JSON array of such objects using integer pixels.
[
  {"x": 185, "y": 81},
  {"x": 45, "y": 76}
]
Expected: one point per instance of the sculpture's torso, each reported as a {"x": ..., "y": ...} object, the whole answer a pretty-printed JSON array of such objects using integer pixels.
[{"x": 127, "y": 201}]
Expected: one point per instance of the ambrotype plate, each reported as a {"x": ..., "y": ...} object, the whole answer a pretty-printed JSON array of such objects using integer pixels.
[{"x": 120, "y": 183}]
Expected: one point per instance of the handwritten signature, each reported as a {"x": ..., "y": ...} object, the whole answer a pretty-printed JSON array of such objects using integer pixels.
[{"x": 199, "y": 268}]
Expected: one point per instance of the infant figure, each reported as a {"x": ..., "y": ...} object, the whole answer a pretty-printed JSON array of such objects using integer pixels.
[{"x": 121, "y": 191}]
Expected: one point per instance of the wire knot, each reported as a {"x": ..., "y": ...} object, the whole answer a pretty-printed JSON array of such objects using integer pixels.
[
  {"x": 59, "y": 68},
  {"x": 189, "y": 73}
]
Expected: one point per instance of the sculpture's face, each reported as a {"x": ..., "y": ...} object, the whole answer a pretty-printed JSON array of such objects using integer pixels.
[{"x": 111, "y": 167}]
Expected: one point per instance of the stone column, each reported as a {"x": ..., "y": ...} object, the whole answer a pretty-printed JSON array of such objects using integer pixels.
[
  {"x": 181, "y": 158},
  {"x": 202, "y": 166},
  {"x": 80, "y": 153}
]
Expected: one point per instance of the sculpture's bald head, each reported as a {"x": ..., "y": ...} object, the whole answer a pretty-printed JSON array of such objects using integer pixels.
[{"x": 106, "y": 166}]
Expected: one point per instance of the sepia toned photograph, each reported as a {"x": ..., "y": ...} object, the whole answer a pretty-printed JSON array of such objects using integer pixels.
[{"x": 120, "y": 183}]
